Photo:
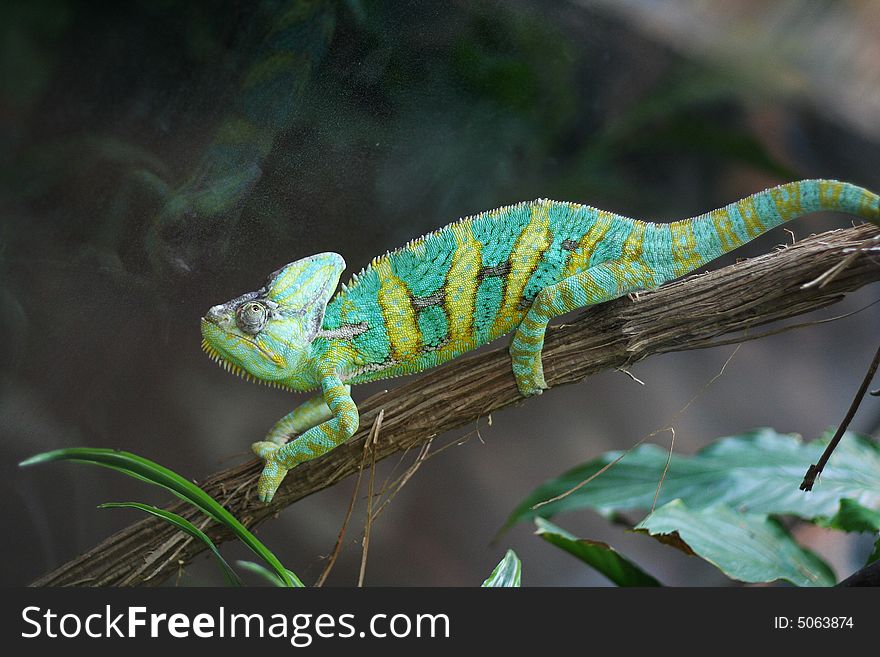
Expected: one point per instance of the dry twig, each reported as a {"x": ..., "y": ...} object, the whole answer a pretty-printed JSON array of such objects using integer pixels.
[{"x": 815, "y": 469}]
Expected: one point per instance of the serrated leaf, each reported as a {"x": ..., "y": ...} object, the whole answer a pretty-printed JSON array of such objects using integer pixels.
[
  {"x": 151, "y": 472},
  {"x": 184, "y": 525},
  {"x": 744, "y": 546},
  {"x": 757, "y": 472},
  {"x": 507, "y": 573},
  {"x": 852, "y": 517},
  {"x": 597, "y": 554}
]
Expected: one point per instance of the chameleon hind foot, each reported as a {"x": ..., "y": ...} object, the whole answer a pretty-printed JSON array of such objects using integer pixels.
[
  {"x": 273, "y": 472},
  {"x": 529, "y": 375}
]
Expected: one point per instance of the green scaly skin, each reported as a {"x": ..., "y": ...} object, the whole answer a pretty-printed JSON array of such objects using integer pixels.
[{"x": 507, "y": 270}]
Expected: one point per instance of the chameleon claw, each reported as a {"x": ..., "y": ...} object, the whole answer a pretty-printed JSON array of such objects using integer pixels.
[
  {"x": 273, "y": 472},
  {"x": 531, "y": 386}
]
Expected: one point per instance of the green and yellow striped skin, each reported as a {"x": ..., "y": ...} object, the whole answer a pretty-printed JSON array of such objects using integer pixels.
[{"x": 507, "y": 270}]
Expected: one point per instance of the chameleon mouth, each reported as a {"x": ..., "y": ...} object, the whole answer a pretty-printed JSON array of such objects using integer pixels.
[
  {"x": 278, "y": 359},
  {"x": 229, "y": 366},
  {"x": 223, "y": 361}
]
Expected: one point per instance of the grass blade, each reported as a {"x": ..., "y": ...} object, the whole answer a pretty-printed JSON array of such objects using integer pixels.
[
  {"x": 149, "y": 471},
  {"x": 186, "y": 526},
  {"x": 262, "y": 571},
  {"x": 265, "y": 573}
]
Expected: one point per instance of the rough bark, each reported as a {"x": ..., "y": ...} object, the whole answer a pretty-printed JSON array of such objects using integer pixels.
[{"x": 689, "y": 314}]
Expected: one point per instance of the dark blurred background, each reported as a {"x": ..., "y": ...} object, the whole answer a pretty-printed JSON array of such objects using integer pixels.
[{"x": 159, "y": 157}]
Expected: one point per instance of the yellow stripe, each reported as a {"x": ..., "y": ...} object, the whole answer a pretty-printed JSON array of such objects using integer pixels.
[
  {"x": 829, "y": 192},
  {"x": 461, "y": 287},
  {"x": 531, "y": 244},
  {"x": 724, "y": 228},
  {"x": 684, "y": 246},
  {"x": 632, "y": 245},
  {"x": 579, "y": 259},
  {"x": 595, "y": 292},
  {"x": 790, "y": 207},
  {"x": 400, "y": 318},
  {"x": 567, "y": 294},
  {"x": 749, "y": 214}
]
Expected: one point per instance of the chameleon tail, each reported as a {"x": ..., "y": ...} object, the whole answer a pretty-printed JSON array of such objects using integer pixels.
[{"x": 699, "y": 240}]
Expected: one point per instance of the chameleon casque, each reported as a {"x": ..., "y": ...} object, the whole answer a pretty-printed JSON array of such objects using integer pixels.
[{"x": 507, "y": 270}]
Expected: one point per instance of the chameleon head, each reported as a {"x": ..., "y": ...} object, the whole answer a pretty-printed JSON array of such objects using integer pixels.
[{"x": 267, "y": 334}]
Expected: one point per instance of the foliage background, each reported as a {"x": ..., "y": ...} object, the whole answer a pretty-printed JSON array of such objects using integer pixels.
[{"x": 419, "y": 113}]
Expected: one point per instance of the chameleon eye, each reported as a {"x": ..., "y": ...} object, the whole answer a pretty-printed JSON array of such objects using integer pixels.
[{"x": 251, "y": 317}]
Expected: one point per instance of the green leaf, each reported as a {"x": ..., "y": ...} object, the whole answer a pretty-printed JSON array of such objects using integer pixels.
[
  {"x": 852, "y": 517},
  {"x": 745, "y": 546},
  {"x": 184, "y": 525},
  {"x": 151, "y": 472},
  {"x": 266, "y": 574},
  {"x": 262, "y": 571},
  {"x": 597, "y": 554},
  {"x": 508, "y": 572},
  {"x": 757, "y": 472}
]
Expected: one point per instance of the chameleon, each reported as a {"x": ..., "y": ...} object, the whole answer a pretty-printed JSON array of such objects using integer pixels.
[{"x": 508, "y": 270}]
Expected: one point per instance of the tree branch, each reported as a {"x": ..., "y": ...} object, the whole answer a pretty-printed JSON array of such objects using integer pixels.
[{"x": 687, "y": 314}]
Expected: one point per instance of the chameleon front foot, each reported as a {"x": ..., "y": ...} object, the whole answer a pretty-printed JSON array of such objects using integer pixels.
[{"x": 273, "y": 472}]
